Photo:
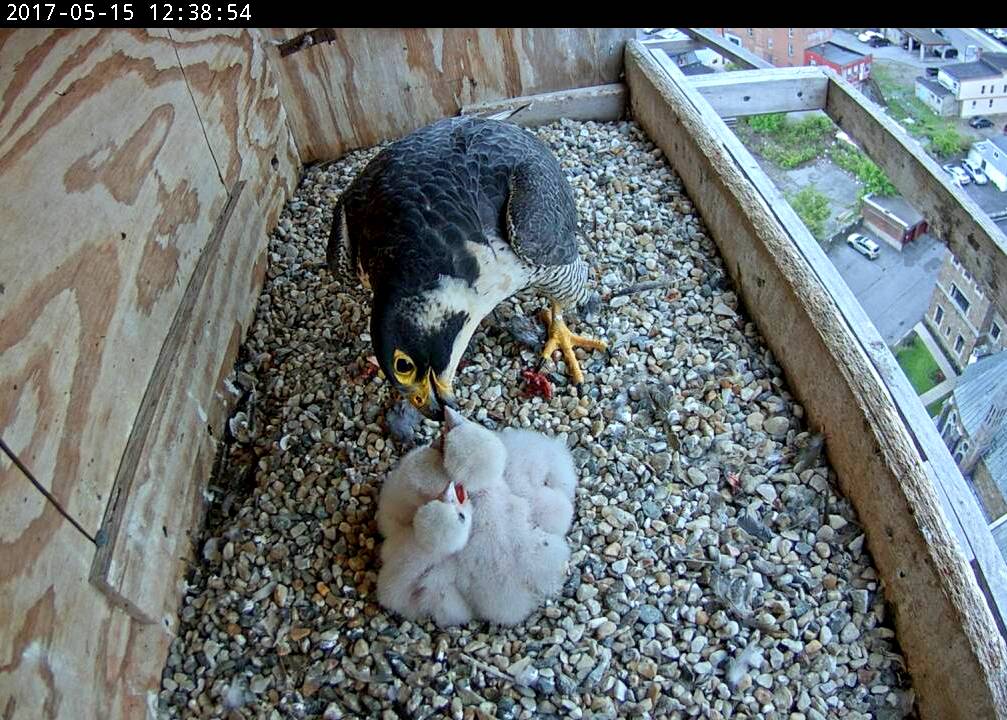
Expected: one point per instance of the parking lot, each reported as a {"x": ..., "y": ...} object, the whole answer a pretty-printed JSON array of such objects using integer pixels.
[{"x": 894, "y": 289}]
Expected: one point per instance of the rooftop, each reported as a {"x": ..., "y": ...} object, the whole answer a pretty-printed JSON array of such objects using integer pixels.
[
  {"x": 898, "y": 207},
  {"x": 696, "y": 68},
  {"x": 925, "y": 36},
  {"x": 971, "y": 70},
  {"x": 997, "y": 60},
  {"x": 836, "y": 54},
  {"x": 981, "y": 382},
  {"x": 933, "y": 86}
]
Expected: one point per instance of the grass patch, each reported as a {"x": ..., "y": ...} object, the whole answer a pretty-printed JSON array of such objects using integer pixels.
[
  {"x": 918, "y": 365},
  {"x": 854, "y": 161},
  {"x": 942, "y": 135},
  {"x": 934, "y": 408},
  {"x": 786, "y": 143},
  {"x": 813, "y": 208}
]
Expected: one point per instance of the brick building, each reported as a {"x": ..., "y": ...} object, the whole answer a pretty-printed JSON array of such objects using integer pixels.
[
  {"x": 962, "y": 318},
  {"x": 892, "y": 219},
  {"x": 783, "y": 47},
  {"x": 852, "y": 66}
]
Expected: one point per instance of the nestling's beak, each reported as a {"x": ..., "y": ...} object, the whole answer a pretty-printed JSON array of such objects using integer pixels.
[{"x": 430, "y": 396}]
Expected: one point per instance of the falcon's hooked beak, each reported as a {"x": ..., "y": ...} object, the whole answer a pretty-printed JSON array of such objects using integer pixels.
[{"x": 431, "y": 395}]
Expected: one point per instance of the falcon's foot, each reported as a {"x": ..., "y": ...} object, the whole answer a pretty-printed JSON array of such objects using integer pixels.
[{"x": 560, "y": 338}]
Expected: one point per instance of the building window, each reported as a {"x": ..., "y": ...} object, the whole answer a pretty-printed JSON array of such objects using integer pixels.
[
  {"x": 790, "y": 32},
  {"x": 750, "y": 32},
  {"x": 947, "y": 331},
  {"x": 995, "y": 331},
  {"x": 959, "y": 344},
  {"x": 939, "y": 315},
  {"x": 769, "y": 43},
  {"x": 959, "y": 298},
  {"x": 982, "y": 89},
  {"x": 790, "y": 52},
  {"x": 973, "y": 103},
  {"x": 991, "y": 102}
]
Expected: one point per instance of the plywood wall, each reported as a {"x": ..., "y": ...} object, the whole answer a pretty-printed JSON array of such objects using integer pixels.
[
  {"x": 119, "y": 152},
  {"x": 365, "y": 87},
  {"x": 140, "y": 172}
]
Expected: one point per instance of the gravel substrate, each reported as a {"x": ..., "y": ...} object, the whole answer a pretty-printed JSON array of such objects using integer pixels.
[{"x": 716, "y": 571}]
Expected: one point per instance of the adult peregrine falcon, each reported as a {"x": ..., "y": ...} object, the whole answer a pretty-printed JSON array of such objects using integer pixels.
[{"x": 445, "y": 224}]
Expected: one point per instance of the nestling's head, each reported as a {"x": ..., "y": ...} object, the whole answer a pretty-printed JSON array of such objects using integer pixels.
[
  {"x": 472, "y": 454},
  {"x": 418, "y": 342},
  {"x": 444, "y": 524}
]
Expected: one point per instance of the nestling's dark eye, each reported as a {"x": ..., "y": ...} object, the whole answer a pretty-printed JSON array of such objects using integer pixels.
[{"x": 403, "y": 366}]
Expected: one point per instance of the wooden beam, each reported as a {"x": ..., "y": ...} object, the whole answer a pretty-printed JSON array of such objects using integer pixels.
[
  {"x": 953, "y": 216},
  {"x": 603, "y": 103},
  {"x": 756, "y": 92},
  {"x": 720, "y": 45},
  {"x": 957, "y": 658}
]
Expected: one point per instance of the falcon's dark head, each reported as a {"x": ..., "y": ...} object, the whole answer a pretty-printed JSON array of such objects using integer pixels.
[{"x": 418, "y": 341}]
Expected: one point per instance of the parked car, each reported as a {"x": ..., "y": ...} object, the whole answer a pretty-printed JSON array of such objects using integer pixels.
[
  {"x": 960, "y": 176},
  {"x": 863, "y": 245},
  {"x": 932, "y": 71},
  {"x": 869, "y": 35},
  {"x": 975, "y": 172},
  {"x": 980, "y": 122},
  {"x": 879, "y": 42},
  {"x": 950, "y": 53}
]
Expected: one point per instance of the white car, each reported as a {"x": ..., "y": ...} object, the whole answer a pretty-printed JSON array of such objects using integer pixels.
[
  {"x": 960, "y": 176},
  {"x": 975, "y": 172},
  {"x": 869, "y": 35},
  {"x": 863, "y": 245}
]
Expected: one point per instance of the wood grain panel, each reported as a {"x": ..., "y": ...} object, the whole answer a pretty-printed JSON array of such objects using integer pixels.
[
  {"x": 65, "y": 651},
  {"x": 372, "y": 85},
  {"x": 236, "y": 93},
  {"x": 149, "y": 527},
  {"x": 104, "y": 217}
]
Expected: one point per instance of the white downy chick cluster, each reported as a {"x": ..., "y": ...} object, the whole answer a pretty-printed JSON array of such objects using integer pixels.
[{"x": 474, "y": 526}]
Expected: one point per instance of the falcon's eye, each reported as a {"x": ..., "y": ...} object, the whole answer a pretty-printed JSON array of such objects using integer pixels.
[{"x": 405, "y": 368}]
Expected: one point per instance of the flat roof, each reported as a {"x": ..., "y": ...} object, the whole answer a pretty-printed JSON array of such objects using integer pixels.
[
  {"x": 971, "y": 70},
  {"x": 925, "y": 36},
  {"x": 696, "y": 68},
  {"x": 997, "y": 60},
  {"x": 934, "y": 86},
  {"x": 836, "y": 54},
  {"x": 897, "y": 206}
]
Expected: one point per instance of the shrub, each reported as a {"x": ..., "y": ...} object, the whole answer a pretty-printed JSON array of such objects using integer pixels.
[
  {"x": 768, "y": 124},
  {"x": 813, "y": 209},
  {"x": 874, "y": 179}
]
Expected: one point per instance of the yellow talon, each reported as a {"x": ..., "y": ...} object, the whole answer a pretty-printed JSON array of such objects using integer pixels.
[{"x": 560, "y": 338}]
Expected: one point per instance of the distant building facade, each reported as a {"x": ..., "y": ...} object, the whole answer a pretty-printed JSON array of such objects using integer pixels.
[
  {"x": 783, "y": 47},
  {"x": 991, "y": 156},
  {"x": 962, "y": 318},
  {"x": 892, "y": 219},
  {"x": 854, "y": 67},
  {"x": 980, "y": 87},
  {"x": 973, "y": 425},
  {"x": 937, "y": 97}
]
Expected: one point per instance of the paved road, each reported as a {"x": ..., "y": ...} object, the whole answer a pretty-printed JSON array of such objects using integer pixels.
[
  {"x": 895, "y": 289},
  {"x": 975, "y": 36}
]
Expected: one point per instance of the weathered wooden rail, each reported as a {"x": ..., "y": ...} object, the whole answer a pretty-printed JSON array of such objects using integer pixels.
[{"x": 943, "y": 571}]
